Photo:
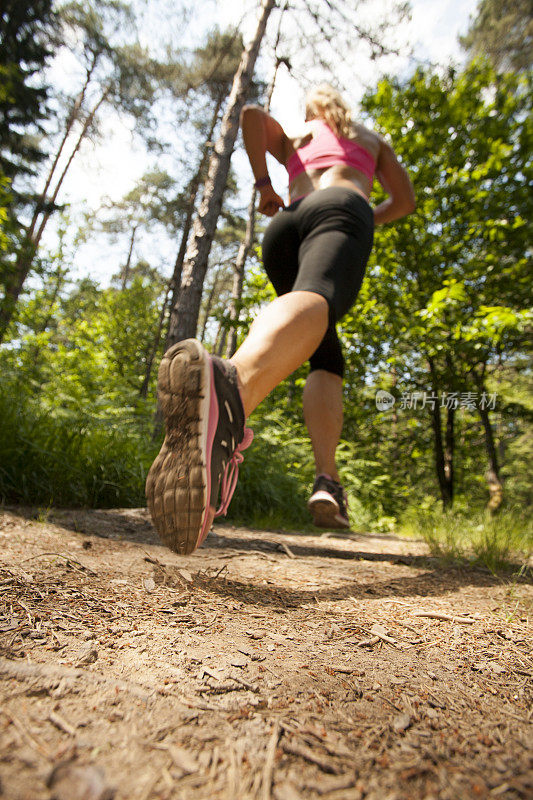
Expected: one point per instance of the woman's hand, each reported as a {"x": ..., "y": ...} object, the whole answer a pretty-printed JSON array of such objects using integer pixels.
[{"x": 269, "y": 201}]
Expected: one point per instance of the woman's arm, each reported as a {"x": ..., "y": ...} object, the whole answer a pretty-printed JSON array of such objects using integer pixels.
[
  {"x": 261, "y": 134},
  {"x": 396, "y": 182}
]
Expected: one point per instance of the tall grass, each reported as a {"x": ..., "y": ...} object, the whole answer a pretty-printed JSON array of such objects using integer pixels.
[
  {"x": 71, "y": 459},
  {"x": 492, "y": 541}
]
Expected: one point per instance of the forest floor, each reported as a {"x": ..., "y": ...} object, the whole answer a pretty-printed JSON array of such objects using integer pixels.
[{"x": 265, "y": 665}]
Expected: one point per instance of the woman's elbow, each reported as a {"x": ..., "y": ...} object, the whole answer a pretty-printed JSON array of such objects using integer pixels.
[{"x": 249, "y": 111}]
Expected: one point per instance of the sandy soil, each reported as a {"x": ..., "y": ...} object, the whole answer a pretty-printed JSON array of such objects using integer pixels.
[{"x": 266, "y": 665}]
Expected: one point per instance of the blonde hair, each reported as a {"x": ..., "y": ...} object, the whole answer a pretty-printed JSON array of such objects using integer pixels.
[{"x": 327, "y": 103}]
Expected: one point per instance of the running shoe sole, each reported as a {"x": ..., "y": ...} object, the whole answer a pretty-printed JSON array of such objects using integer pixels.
[
  {"x": 178, "y": 485},
  {"x": 325, "y": 511}
]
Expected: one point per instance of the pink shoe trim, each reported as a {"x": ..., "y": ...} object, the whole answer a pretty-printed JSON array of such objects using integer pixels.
[
  {"x": 209, "y": 517},
  {"x": 231, "y": 473},
  {"x": 211, "y": 429}
]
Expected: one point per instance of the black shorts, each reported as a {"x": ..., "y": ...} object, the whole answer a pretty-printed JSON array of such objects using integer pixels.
[{"x": 321, "y": 243}]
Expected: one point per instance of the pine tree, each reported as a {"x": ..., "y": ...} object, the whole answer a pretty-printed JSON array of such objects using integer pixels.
[
  {"x": 25, "y": 46},
  {"x": 26, "y": 36},
  {"x": 502, "y": 30}
]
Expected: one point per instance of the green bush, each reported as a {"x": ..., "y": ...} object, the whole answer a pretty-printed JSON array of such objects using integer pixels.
[{"x": 68, "y": 457}]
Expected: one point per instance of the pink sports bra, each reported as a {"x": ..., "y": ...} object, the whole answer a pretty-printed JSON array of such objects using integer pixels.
[{"x": 326, "y": 150}]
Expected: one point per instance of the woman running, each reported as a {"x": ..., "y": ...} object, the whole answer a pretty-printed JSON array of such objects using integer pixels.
[{"x": 315, "y": 252}]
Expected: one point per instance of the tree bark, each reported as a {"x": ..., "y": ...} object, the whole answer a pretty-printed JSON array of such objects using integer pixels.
[
  {"x": 84, "y": 131},
  {"x": 441, "y": 463},
  {"x": 446, "y": 492},
  {"x": 220, "y": 341},
  {"x": 238, "y": 277},
  {"x": 209, "y": 303},
  {"x": 175, "y": 281},
  {"x": 71, "y": 119},
  {"x": 449, "y": 449},
  {"x": 184, "y": 318},
  {"x": 193, "y": 192},
  {"x": 246, "y": 244},
  {"x": 126, "y": 270},
  {"x": 494, "y": 481}
]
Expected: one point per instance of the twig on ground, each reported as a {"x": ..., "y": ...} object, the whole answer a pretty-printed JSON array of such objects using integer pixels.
[
  {"x": 368, "y": 642},
  {"x": 383, "y": 636},
  {"x": 325, "y": 764},
  {"x": 72, "y": 561},
  {"x": 523, "y": 720},
  {"x": 252, "y": 687},
  {"x": 25, "y": 607},
  {"x": 397, "y": 708},
  {"x": 445, "y": 617},
  {"x": 287, "y": 549},
  {"x": 61, "y": 723}
]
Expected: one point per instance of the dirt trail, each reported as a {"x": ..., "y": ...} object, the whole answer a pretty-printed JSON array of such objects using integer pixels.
[{"x": 265, "y": 665}]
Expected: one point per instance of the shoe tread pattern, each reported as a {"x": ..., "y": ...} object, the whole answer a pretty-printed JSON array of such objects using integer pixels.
[{"x": 175, "y": 485}]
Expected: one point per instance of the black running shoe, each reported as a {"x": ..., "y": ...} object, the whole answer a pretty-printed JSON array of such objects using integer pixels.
[
  {"x": 328, "y": 503},
  {"x": 201, "y": 453}
]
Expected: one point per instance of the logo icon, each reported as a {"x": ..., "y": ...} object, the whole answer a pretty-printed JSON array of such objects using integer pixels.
[{"x": 384, "y": 400}]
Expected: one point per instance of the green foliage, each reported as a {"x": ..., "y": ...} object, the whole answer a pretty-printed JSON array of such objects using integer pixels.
[
  {"x": 65, "y": 455},
  {"x": 447, "y": 292},
  {"x": 26, "y": 32},
  {"x": 73, "y": 428}
]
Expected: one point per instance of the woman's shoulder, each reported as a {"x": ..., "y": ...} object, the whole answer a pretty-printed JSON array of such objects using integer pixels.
[
  {"x": 302, "y": 135},
  {"x": 367, "y": 138}
]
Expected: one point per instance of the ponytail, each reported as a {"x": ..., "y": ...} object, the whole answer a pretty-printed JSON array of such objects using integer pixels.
[{"x": 327, "y": 103}]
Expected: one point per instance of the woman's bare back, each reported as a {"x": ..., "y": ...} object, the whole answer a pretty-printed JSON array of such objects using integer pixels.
[{"x": 337, "y": 175}]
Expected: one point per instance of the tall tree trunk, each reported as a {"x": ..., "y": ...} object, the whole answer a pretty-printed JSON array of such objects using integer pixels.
[
  {"x": 220, "y": 341},
  {"x": 449, "y": 449},
  {"x": 394, "y": 418},
  {"x": 446, "y": 489},
  {"x": 83, "y": 133},
  {"x": 21, "y": 268},
  {"x": 209, "y": 303},
  {"x": 246, "y": 244},
  {"x": 175, "y": 281},
  {"x": 126, "y": 271},
  {"x": 193, "y": 192},
  {"x": 494, "y": 481},
  {"x": 71, "y": 119},
  {"x": 238, "y": 276},
  {"x": 184, "y": 318}
]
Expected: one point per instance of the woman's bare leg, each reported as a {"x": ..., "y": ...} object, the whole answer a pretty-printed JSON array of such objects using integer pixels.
[
  {"x": 282, "y": 337},
  {"x": 323, "y": 414}
]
